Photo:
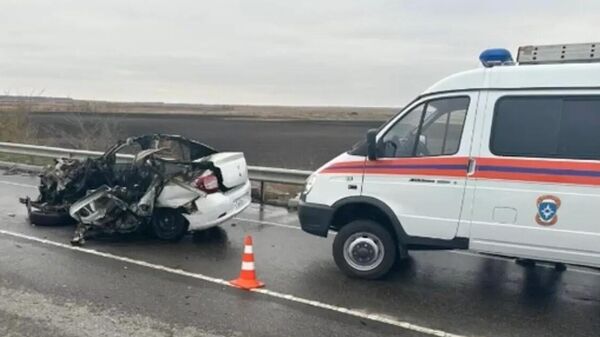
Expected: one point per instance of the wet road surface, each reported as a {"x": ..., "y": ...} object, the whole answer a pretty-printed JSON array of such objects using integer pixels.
[
  {"x": 290, "y": 143},
  {"x": 453, "y": 292}
]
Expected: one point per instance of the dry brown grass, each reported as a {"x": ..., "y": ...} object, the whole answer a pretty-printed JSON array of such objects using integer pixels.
[
  {"x": 54, "y": 104},
  {"x": 76, "y": 131},
  {"x": 15, "y": 125}
]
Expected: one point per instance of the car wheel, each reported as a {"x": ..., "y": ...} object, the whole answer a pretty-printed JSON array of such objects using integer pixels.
[
  {"x": 364, "y": 249},
  {"x": 40, "y": 218},
  {"x": 169, "y": 224}
]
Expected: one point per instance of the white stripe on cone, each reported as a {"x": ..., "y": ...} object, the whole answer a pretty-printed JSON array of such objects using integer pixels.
[
  {"x": 247, "y": 249},
  {"x": 247, "y": 265}
]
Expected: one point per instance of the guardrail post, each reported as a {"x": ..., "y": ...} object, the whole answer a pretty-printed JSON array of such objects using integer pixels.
[{"x": 262, "y": 192}]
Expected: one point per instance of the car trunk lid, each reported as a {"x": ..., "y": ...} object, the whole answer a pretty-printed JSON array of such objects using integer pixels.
[{"x": 232, "y": 166}]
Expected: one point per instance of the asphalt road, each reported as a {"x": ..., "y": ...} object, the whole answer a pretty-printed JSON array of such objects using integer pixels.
[
  {"x": 276, "y": 143},
  {"x": 138, "y": 286}
]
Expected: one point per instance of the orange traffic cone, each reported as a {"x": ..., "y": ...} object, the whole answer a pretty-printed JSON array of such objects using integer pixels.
[{"x": 247, "y": 279}]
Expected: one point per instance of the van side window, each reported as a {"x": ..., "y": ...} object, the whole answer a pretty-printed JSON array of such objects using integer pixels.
[
  {"x": 526, "y": 126},
  {"x": 442, "y": 129},
  {"x": 581, "y": 128},
  {"x": 399, "y": 141},
  {"x": 431, "y": 129},
  {"x": 547, "y": 126}
]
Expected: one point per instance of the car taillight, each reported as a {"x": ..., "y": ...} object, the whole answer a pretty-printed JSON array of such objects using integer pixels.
[{"x": 207, "y": 182}]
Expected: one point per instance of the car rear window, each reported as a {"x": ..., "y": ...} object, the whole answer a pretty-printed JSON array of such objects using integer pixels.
[{"x": 547, "y": 126}]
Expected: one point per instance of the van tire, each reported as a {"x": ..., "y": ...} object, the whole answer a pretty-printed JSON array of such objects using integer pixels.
[{"x": 364, "y": 249}]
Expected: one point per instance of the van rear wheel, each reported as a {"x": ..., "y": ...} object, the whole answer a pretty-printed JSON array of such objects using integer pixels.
[{"x": 364, "y": 249}]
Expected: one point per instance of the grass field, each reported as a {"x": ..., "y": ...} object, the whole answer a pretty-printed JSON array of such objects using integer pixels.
[{"x": 54, "y": 104}]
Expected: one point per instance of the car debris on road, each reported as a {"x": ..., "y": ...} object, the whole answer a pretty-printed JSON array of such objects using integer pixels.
[{"x": 168, "y": 177}]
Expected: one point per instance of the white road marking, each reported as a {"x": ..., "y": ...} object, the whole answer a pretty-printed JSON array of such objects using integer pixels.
[
  {"x": 275, "y": 224},
  {"x": 17, "y": 184},
  {"x": 288, "y": 297},
  {"x": 459, "y": 252},
  {"x": 260, "y": 222}
]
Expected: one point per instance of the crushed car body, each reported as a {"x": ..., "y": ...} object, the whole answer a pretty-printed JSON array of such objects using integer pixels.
[{"x": 168, "y": 186}]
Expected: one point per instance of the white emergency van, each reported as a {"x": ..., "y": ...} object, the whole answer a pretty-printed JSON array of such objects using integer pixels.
[{"x": 504, "y": 159}]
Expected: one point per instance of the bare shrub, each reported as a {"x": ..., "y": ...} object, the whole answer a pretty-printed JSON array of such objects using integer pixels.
[
  {"x": 89, "y": 132},
  {"x": 82, "y": 130},
  {"x": 16, "y": 126}
]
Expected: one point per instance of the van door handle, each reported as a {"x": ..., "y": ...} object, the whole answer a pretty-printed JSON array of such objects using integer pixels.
[{"x": 471, "y": 166}]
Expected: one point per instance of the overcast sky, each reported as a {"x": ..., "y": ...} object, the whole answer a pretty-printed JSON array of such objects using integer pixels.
[{"x": 338, "y": 52}]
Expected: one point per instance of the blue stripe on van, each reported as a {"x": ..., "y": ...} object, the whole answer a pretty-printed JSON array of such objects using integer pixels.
[
  {"x": 550, "y": 171},
  {"x": 403, "y": 167}
]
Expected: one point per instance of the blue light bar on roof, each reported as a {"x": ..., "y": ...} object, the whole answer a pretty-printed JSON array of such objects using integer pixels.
[{"x": 495, "y": 57}]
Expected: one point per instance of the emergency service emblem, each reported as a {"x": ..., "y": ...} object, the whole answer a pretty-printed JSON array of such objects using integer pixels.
[{"x": 547, "y": 207}]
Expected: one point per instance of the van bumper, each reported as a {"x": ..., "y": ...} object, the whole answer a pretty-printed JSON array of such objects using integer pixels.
[{"x": 315, "y": 218}]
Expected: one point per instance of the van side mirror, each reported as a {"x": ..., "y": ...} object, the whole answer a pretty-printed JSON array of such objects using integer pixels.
[{"x": 372, "y": 144}]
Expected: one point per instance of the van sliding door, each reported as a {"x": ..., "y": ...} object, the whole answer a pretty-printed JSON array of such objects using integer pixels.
[{"x": 537, "y": 177}]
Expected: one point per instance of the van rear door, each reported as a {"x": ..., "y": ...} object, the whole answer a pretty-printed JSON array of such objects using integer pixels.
[{"x": 537, "y": 177}]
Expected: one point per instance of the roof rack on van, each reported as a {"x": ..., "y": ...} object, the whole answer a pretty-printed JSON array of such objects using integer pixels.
[{"x": 559, "y": 53}]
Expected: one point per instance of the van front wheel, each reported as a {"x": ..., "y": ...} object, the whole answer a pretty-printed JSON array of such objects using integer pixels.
[{"x": 364, "y": 249}]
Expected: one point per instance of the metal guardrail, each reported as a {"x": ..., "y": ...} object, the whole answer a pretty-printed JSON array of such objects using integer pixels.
[
  {"x": 53, "y": 152},
  {"x": 256, "y": 173}
]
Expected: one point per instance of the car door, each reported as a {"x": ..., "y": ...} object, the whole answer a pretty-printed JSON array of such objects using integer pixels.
[
  {"x": 537, "y": 177},
  {"x": 421, "y": 167}
]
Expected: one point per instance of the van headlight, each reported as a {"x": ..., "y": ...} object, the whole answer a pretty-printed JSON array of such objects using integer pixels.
[{"x": 309, "y": 183}]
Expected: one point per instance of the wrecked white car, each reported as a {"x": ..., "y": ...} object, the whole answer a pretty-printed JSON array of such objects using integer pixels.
[{"x": 169, "y": 177}]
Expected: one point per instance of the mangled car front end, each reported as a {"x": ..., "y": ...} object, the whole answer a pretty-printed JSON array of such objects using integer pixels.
[{"x": 168, "y": 178}]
